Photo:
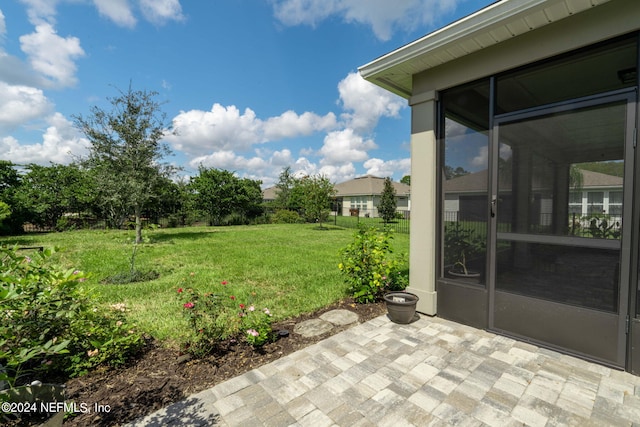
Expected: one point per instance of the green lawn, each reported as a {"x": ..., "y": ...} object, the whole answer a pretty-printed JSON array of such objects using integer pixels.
[{"x": 291, "y": 269}]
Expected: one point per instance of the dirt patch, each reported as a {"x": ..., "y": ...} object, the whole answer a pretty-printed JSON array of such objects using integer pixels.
[{"x": 162, "y": 376}]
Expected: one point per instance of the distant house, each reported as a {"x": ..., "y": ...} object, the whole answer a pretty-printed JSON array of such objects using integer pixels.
[
  {"x": 599, "y": 193},
  {"x": 270, "y": 194},
  {"x": 361, "y": 196}
]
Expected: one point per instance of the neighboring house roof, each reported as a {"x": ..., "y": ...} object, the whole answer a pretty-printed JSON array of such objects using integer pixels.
[
  {"x": 496, "y": 23},
  {"x": 477, "y": 182},
  {"x": 368, "y": 186},
  {"x": 270, "y": 193},
  {"x": 596, "y": 179}
]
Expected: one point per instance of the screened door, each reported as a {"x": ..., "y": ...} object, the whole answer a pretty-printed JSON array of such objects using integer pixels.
[{"x": 559, "y": 266}]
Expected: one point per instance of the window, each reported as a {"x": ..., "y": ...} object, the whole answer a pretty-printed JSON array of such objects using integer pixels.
[
  {"x": 464, "y": 168},
  {"x": 615, "y": 203},
  {"x": 595, "y": 202},
  {"x": 575, "y": 203}
]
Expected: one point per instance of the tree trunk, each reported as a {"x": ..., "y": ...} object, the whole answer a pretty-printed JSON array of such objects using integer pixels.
[{"x": 138, "y": 225}]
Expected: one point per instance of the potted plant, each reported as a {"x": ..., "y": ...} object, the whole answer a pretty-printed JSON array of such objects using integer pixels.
[
  {"x": 401, "y": 306},
  {"x": 461, "y": 246}
]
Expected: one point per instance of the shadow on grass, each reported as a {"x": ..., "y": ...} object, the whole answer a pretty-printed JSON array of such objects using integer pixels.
[
  {"x": 190, "y": 235},
  {"x": 327, "y": 228}
]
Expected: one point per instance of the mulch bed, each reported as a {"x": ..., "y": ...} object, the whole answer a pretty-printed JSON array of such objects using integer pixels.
[{"x": 163, "y": 376}]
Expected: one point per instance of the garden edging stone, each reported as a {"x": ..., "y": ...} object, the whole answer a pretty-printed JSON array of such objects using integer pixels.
[{"x": 325, "y": 323}]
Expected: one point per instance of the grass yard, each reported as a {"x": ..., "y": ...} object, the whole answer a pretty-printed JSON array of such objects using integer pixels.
[{"x": 290, "y": 269}]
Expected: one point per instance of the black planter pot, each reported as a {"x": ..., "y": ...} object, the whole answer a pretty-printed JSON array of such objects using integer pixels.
[{"x": 401, "y": 306}]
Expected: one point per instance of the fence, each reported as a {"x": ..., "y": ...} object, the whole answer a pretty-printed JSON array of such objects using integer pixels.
[
  {"x": 592, "y": 226},
  {"x": 368, "y": 217},
  {"x": 400, "y": 225}
]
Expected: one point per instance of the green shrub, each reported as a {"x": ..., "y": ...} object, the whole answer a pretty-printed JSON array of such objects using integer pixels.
[
  {"x": 57, "y": 329},
  {"x": 368, "y": 266},
  {"x": 284, "y": 216}
]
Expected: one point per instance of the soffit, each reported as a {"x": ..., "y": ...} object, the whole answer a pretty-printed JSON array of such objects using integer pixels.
[{"x": 494, "y": 24}]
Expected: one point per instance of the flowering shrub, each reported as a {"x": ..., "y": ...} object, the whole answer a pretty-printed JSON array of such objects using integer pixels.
[
  {"x": 56, "y": 327},
  {"x": 257, "y": 325},
  {"x": 368, "y": 267},
  {"x": 215, "y": 317}
]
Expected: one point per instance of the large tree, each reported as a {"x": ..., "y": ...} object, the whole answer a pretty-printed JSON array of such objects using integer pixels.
[
  {"x": 126, "y": 153},
  {"x": 220, "y": 193},
  {"x": 10, "y": 189},
  {"x": 49, "y": 192}
]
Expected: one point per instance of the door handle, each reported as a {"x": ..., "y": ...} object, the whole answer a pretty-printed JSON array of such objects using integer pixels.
[{"x": 494, "y": 204}]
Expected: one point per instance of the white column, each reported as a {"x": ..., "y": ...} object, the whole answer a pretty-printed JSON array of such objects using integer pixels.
[{"x": 422, "y": 240}]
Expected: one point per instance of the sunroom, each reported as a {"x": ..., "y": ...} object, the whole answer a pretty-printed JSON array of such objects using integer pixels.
[{"x": 516, "y": 110}]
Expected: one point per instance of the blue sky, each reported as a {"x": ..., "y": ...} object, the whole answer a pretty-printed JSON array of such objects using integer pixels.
[{"x": 251, "y": 86}]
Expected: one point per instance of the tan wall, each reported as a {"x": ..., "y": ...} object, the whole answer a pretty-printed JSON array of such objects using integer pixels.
[{"x": 422, "y": 240}]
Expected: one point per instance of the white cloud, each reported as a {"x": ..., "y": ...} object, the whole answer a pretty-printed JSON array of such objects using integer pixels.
[
  {"x": 382, "y": 168},
  {"x": 59, "y": 142},
  {"x": 337, "y": 174},
  {"x": 161, "y": 11},
  {"x": 51, "y": 54},
  {"x": 290, "y": 125},
  {"x": 222, "y": 128},
  {"x": 3, "y": 25},
  {"x": 305, "y": 12},
  {"x": 383, "y": 16},
  {"x": 41, "y": 11},
  {"x": 199, "y": 132},
  {"x": 482, "y": 159},
  {"x": 21, "y": 104},
  {"x": 365, "y": 103},
  {"x": 118, "y": 11},
  {"x": 345, "y": 146}
]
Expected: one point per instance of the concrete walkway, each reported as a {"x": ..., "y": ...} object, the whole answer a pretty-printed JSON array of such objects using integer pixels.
[{"x": 430, "y": 373}]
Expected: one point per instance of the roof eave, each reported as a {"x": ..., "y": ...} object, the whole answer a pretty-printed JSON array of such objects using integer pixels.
[{"x": 504, "y": 16}]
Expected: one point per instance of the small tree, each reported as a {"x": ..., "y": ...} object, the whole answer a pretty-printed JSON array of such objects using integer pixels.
[
  {"x": 318, "y": 192},
  {"x": 286, "y": 182},
  {"x": 388, "y": 205},
  {"x": 126, "y": 151}
]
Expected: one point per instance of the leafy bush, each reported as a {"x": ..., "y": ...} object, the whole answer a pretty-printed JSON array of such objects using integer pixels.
[
  {"x": 368, "y": 267},
  {"x": 285, "y": 216},
  {"x": 215, "y": 317},
  {"x": 57, "y": 329}
]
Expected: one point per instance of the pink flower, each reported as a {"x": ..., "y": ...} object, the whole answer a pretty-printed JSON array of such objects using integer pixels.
[
  {"x": 253, "y": 332},
  {"x": 241, "y": 306},
  {"x": 180, "y": 290},
  {"x": 224, "y": 282},
  {"x": 189, "y": 305},
  {"x": 232, "y": 297},
  {"x": 266, "y": 311},
  {"x": 252, "y": 308}
]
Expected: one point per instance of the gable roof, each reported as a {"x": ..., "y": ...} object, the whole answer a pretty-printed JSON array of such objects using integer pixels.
[
  {"x": 270, "y": 193},
  {"x": 494, "y": 24},
  {"x": 368, "y": 186},
  {"x": 477, "y": 182}
]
